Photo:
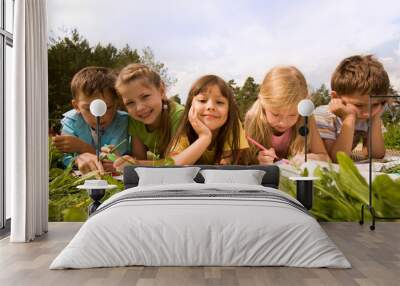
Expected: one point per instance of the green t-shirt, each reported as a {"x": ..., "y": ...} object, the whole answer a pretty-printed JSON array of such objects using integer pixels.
[{"x": 151, "y": 138}]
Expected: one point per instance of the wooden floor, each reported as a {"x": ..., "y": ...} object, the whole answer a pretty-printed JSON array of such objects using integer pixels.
[{"x": 374, "y": 255}]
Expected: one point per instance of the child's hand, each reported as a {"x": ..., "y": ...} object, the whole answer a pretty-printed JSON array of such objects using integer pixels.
[
  {"x": 108, "y": 165},
  {"x": 68, "y": 143},
  {"x": 201, "y": 129},
  {"x": 378, "y": 111},
  {"x": 106, "y": 149},
  {"x": 339, "y": 108},
  {"x": 108, "y": 153},
  {"x": 267, "y": 157},
  {"x": 298, "y": 159},
  {"x": 88, "y": 162},
  {"x": 123, "y": 161}
]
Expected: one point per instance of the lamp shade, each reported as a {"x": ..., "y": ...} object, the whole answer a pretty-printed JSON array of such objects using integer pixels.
[
  {"x": 98, "y": 107},
  {"x": 305, "y": 107}
]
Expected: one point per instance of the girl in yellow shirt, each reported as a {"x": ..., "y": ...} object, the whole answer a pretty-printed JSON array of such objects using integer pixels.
[{"x": 210, "y": 131}]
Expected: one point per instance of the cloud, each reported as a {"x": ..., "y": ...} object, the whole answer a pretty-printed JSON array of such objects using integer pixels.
[
  {"x": 241, "y": 38},
  {"x": 392, "y": 65}
]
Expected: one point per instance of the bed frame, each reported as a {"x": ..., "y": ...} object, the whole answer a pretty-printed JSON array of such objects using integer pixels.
[
  {"x": 270, "y": 179},
  {"x": 304, "y": 189}
]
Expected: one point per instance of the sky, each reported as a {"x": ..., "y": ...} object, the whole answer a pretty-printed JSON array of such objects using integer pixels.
[{"x": 238, "y": 39}]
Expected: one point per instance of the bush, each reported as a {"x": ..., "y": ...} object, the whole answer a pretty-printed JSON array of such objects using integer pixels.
[{"x": 392, "y": 136}]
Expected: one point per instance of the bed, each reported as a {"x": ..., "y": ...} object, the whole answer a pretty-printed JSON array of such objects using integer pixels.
[{"x": 201, "y": 223}]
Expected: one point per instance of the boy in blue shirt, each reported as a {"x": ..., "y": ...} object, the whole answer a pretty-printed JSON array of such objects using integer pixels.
[{"x": 78, "y": 136}]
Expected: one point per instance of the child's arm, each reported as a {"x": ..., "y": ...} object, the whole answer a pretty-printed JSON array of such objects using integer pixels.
[
  {"x": 193, "y": 153},
  {"x": 71, "y": 144},
  {"x": 138, "y": 156},
  {"x": 344, "y": 142},
  {"x": 138, "y": 149},
  {"x": 378, "y": 146},
  {"x": 317, "y": 148},
  {"x": 88, "y": 162},
  {"x": 69, "y": 141}
]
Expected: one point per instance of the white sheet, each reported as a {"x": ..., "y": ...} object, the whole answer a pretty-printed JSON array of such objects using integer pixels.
[{"x": 200, "y": 231}]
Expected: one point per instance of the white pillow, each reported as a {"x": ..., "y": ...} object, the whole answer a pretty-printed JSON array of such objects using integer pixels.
[
  {"x": 249, "y": 177},
  {"x": 166, "y": 176}
]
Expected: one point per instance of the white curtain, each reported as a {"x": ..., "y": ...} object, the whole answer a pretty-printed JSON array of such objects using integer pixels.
[{"x": 26, "y": 123}]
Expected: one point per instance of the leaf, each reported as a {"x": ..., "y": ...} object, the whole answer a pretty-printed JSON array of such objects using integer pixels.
[
  {"x": 74, "y": 214},
  {"x": 338, "y": 196},
  {"x": 112, "y": 157},
  {"x": 152, "y": 156}
]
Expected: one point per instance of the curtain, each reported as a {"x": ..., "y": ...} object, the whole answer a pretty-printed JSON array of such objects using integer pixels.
[{"x": 26, "y": 123}]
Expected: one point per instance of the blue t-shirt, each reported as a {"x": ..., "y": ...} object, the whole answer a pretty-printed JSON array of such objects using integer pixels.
[{"x": 74, "y": 124}]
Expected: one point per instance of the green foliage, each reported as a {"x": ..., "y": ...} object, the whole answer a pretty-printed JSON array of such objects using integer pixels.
[
  {"x": 55, "y": 156},
  {"x": 392, "y": 115},
  {"x": 68, "y": 54},
  {"x": 157, "y": 162},
  {"x": 320, "y": 96},
  {"x": 338, "y": 196},
  {"x": 66, "y": 202},
  {"x": 148, "y": 59},
  {"x": 245, "y": 95},
  {"x": 392, "y": 136},
  {"x": 392, "y": 170}
]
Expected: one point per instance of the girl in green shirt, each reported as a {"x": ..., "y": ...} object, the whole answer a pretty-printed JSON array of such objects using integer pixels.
[{"x": 154, "y": 118}]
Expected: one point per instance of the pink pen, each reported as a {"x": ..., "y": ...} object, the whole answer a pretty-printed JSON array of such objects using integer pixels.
[
  {"x": 262, "y": 148},
  {"x": 258, "y": 145}
]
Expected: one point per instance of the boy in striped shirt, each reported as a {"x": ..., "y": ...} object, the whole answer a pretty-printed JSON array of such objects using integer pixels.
[{"x": 343, "y": 123}]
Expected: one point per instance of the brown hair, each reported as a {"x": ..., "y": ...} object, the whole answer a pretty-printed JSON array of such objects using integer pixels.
[
  {"x": 229, "y": 131},
  {"x": 90, "y": 80},
  {"x": 283, "y": 86},
  {"x": 148, "y": 76},
  {"x": 360, "y": 74}
]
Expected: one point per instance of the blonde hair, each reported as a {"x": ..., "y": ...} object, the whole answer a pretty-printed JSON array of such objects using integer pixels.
[
  {"x": 142, "y": 72},
  {"x": 283, "y": 86}
]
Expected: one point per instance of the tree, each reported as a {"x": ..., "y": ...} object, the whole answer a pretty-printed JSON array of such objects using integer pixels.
[
  {"x": 392, "y": 112},
  {"x": 148, "y": 59},
  {"x": 65, "y": 57},
  {"x": 320, "y": 96},
  {"x": 125, "y": 56},
  {"x": 232, "y": 84},
  {"x": 68, "y": 54},
  {"x": 246, "y": 95}
]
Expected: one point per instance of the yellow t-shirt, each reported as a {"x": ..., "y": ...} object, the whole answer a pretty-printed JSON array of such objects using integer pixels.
[{"x": 208, "y": 157}]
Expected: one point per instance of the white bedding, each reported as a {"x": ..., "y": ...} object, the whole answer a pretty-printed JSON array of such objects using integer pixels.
[{"x": 183, "y": 231}]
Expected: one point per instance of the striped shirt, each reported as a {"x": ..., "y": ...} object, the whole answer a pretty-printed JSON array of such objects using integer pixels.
[{"x": 329, "y": 126}]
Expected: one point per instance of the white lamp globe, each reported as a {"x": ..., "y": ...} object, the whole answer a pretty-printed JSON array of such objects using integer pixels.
[
  {"x": 98, "y": 107},
  {"x": 305, "y": 107}
]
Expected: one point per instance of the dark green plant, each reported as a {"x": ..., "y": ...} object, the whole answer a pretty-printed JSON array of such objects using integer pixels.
[
  {"x": 392, "y": 136},
  {"x": 338, "y": 196},
  {"x": 66, "y": 202}
]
